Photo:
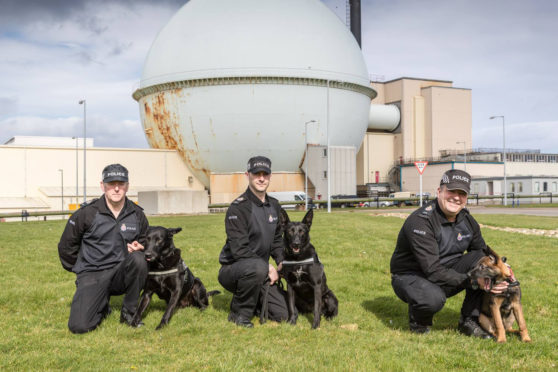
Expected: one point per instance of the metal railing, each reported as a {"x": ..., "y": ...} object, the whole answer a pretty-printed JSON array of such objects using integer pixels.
[{"x": 376, "y": 202}]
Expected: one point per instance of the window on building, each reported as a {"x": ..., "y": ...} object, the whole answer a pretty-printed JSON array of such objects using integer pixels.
[
  {"x": 475, "y": 188},
  {"x": 545, "y": 186},
  {"x": 512, "y": 187},
  {"x": 554, "y": 186},
  {"x": 324, "y": 153},
  {"x": 325, "y": 174},
  {"x": 520, "y": 187},
  {"x": 537, "y": 187}
]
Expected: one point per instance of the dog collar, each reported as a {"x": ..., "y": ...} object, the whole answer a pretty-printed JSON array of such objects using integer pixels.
[
  {"x": 163, "y": 272},
  {"x": 182, "y": 264},
  {"x": 303, "y": 262}
]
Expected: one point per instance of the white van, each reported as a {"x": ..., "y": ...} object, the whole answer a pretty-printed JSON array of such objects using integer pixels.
[{"x": 285, "y": 196}]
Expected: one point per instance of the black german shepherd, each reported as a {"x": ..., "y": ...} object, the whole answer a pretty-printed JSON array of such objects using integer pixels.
[
  {"x": 306, "y": 281},
  {"x": 169, "y": 277},
  {"x": 500, "y": 311}
]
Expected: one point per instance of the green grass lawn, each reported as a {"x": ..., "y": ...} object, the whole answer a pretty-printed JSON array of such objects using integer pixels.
[{"x": 369, "y": 334}]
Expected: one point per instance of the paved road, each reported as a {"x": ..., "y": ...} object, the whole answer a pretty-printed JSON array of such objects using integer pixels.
[{"x": 550, "y": 212}]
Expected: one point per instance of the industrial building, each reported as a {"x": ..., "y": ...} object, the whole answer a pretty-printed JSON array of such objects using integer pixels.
[{"x": 209, "y": 100}]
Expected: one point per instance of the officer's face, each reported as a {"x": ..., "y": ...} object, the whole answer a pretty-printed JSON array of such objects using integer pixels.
[
  {"x": 451, "y": 202},
  {"x": 115, "y": 191},
  {"x": 258, "y": 182}
]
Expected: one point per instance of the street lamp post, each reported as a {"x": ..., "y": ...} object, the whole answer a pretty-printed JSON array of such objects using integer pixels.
[
  {"x": 82, "y": 102},
  {"x": 328, "y": 156},
  {"x": 77, "y": 177},
  {"x": 306, "y": 162},
  {"x": 504, "y": 155},
  {"x": 62, "y": 188},
  {"x": 464, "y": 154}
]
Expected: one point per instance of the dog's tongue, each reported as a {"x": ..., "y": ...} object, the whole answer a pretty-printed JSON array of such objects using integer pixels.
[{"x": 487, "y": 284}]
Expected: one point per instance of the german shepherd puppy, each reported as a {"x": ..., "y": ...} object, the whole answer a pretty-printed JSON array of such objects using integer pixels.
[
  {"x": 500, "y": 311},
  {"x": 169, "y": 277},
  {"x": 306, "y": 281}
]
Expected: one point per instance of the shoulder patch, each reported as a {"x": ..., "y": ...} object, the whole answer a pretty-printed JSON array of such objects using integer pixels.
[
  {"x": 419, "y": 232},
  {"x": 239, "y": 200}
]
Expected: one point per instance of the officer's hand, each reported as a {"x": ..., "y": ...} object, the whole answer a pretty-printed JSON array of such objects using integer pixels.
[
  {"x": 273, "y": 276},
  {"x": 499, "y": 287},
  {"x": 134, "y": 246}
]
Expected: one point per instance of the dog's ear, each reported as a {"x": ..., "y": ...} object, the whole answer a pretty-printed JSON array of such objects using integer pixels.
[
  {"x": 307, "y": 220},
  {"x": 284, "y": 218},
  {"x": 174, "y": 231},
  {"x": 489, "y": 252}
]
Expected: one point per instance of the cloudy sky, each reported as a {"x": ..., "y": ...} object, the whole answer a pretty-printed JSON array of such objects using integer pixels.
[{"x": 57, "y": 52}]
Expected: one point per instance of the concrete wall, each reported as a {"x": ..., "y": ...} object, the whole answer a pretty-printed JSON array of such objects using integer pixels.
[
  {"x": 33, "y": 174},
  {"x": 174, "y": 201}
]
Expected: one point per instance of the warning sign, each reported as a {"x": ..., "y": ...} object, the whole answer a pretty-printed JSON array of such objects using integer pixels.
[{"x": 421, "y": 165}]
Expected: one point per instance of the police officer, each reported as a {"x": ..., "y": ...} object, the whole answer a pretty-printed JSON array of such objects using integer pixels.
[
  {"x": 429, "y": 264},
  {"x": 103, "y": 244},
  {"x": 253, "y": 235}
]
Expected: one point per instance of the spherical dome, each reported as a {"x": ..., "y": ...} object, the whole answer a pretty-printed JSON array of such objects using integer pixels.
[
  {"x": 226, "y": 80},
  {"x": 226, "y": 38}
]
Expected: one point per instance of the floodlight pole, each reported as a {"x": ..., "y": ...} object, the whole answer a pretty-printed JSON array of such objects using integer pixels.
[
  {"x": 328, "y": 156},
  {"x": 504, "y": 155},
  {"x": 464, "y": 154},
  {"x": 306, "y": 163},
  {"x": 77, "y": 177},
  {"x": 61, "y": 188},
  {"x": 84, "y": 103}
]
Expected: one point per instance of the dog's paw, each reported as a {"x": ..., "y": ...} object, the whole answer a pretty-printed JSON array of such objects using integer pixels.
[{"x": 292, "y": 321}]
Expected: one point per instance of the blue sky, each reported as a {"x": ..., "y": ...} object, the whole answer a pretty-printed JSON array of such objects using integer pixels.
[{"x": 56, "y": 52}]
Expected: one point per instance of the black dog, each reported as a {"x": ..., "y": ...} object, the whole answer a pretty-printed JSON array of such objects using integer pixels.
[
  {"x": 304, "y": 273},
  {"x": 169, "y": 277}
]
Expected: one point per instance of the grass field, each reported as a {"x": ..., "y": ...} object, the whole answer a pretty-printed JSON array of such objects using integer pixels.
[{"x": 370, "y": 332}]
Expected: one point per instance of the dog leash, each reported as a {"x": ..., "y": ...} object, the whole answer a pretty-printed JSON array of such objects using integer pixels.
[{"x": 264, "y": 313}]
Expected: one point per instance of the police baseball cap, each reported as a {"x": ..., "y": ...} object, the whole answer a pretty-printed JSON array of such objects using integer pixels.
[
  {"x": 115, "y": 172},
  {"x": 259, "y": 164},
  {"x": 456, "y": 179}
]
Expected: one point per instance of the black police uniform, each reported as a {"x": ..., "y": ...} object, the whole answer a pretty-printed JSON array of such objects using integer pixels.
[
  {"x": 428, "y": 264},
  {"x": 253, "y": 235},
  {"x": 94, "y": 246}
]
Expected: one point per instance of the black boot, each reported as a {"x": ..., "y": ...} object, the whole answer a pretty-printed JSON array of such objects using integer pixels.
[
  {"x": 241, "y": 321},
  {"x": 415, "y": 327},
  {"x": 470, "y": 327}
]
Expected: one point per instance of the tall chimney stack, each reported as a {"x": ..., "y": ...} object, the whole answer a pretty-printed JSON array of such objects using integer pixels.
[{"x": 355, "y": 20}]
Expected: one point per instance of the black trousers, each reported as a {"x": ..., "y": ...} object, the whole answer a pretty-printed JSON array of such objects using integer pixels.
[
  {"x": 426, "y": 298},
  {"x": 245, "y": 279},
  {"x": 94, "y": 288}
]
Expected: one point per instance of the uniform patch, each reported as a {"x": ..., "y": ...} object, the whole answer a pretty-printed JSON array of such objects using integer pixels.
[
  {"x": 272, "y": 219},
  {"x": 71, "y": 222},
  {"x": 420, "y": 232},
  {"x": 232, "y": 217},
  {"x": 123, "y": 227},
  {"x": 429, "y": 208}
]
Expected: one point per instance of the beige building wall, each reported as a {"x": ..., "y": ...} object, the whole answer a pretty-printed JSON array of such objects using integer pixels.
[
  {"x": 531, "y": 169},
  {"x": 225, "y": 187},
  {"x": 450, "y": 119},
  {"x": 375, "y": 155},
  {"x": 35, "y": 180},
  {"x": 434, "y": 116}
]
